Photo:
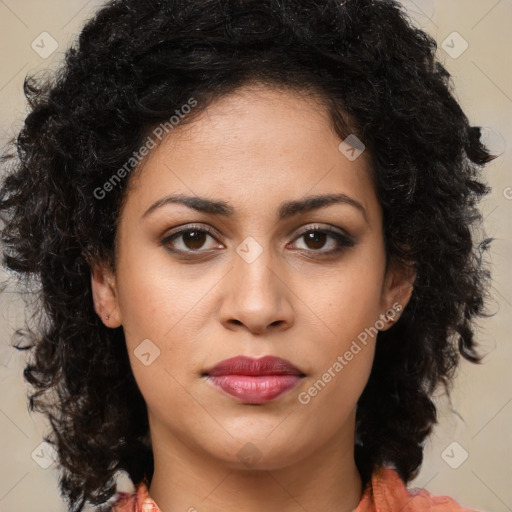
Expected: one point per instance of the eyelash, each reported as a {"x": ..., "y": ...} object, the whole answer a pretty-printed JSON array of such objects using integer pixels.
[{"x": 343, "y": 241}]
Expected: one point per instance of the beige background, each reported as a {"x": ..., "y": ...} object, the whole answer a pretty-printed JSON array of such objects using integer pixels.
[{"x": 482, "y": 398}]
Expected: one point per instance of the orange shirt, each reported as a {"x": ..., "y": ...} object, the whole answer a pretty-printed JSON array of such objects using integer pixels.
[{"x": 386, "y": 492}]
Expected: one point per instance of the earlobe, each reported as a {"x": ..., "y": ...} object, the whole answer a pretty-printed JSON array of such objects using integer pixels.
[{"x": 104, "y": 295}]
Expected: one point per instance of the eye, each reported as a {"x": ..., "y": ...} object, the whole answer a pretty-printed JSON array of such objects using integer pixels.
[
  {"x": 316, "y": 238},
  {"x": 193, "y": 239},
  {"x": 189, "y": 239}
]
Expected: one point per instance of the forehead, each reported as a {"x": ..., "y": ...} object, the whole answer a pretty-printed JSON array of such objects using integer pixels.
[{"x": 258, "y": 143}]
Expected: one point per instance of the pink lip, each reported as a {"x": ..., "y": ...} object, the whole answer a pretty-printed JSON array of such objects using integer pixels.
[{"x": 254, "y": 381}]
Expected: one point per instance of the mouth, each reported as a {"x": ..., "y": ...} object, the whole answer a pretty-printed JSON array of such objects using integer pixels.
[{"x": 254, "y": 381}]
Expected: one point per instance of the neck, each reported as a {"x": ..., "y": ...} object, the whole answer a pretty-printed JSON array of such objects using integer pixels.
[{"x": 190, "y": 479}]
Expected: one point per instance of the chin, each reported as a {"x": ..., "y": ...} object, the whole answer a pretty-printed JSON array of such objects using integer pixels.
[{"x": 258, "y": 452}]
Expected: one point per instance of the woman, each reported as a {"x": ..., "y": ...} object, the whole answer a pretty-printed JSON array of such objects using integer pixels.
[{"x": 251, "y": 224}]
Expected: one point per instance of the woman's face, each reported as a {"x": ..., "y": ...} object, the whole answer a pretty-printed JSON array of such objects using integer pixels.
[{"x": 275, "y": 276}]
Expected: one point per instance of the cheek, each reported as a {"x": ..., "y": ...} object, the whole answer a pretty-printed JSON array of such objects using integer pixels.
[
  {"x": 158, "y": 298},
  {"x": 348, "y": 306},
  {"x": 348, "y": 302},
  {"x": 341, "y": 370},
  {"x": 329, "y": 401},
  {"x": 162, "y": 310}
]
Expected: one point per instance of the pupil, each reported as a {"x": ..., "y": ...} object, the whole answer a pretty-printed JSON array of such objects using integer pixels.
[
  {"x": 195, "y": 238},
  {"x": 315, "y": 237}
]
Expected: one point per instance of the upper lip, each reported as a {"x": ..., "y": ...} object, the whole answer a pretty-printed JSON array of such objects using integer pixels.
[{"x": 242, "y": 365}]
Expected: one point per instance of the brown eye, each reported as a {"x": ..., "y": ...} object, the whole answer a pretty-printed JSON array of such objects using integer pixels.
[
  {"x": 194, "y": 239},
  {"x": 316, "y": 240},
  {"x": 190, "y": 239}
]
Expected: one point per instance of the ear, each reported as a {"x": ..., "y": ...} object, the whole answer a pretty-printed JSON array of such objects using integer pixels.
[
  {"x": 104, "y": 295},
  {"x": 396, "y": 292}
]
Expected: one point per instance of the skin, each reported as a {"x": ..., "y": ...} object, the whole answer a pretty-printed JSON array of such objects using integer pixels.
[{"x": 253, "y": 149}]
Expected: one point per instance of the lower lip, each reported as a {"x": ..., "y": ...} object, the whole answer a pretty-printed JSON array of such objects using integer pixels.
[{"x": 257, "y": 389}]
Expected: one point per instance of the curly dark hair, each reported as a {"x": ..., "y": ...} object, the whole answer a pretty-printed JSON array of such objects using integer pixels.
[{"x": 134, "y": 64}]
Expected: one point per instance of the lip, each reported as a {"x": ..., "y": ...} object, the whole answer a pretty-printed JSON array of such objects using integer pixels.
[{"x": 254, "y": 381}]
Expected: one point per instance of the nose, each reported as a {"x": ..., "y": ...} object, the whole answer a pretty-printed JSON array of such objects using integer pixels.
[{"x": 256, "y": 296}]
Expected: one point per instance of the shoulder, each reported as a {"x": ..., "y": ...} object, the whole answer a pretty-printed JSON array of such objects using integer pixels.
[
  {"x": 124, "y": 502},
  {"x": 136, "y": 501},
  {"x": 386, "y": 491}
]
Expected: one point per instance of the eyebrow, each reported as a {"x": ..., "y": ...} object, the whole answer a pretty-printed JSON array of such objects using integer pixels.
[{"x": 287, "y": 209}]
